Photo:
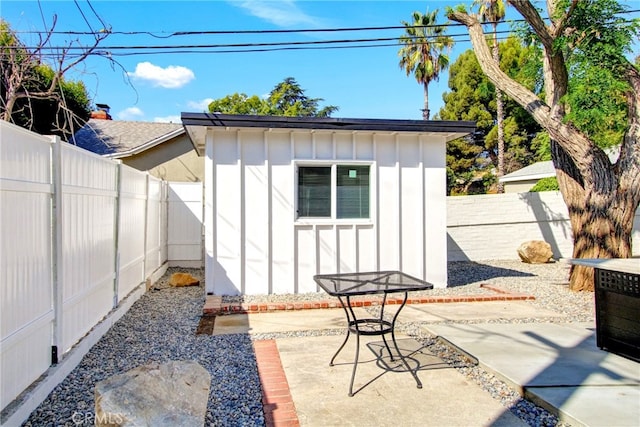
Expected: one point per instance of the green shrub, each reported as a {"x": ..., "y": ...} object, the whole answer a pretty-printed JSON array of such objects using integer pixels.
[{"x": 546, "y": 184}]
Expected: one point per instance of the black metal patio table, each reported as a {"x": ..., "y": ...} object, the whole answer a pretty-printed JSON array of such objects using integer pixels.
[{"x": 347, "y": 285}]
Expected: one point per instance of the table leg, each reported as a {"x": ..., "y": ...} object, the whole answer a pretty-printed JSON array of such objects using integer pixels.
[
  {"x": 355, "y": 365},
  {"x": 351, "y": 316},
  {"x": 393, "y": 338},
  {"x": 384, "y": 339},
  {"x": 346, "y": 312},
  {"x": 351, "y": 320}
]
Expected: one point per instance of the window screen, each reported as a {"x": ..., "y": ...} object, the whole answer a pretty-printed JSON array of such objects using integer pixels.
[
  {"x": 314, "y": 191},
  {"x": 352, "y": 192}
]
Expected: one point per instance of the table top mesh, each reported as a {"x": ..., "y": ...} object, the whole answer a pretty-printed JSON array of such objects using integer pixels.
[{"x": 371, "y": 282}]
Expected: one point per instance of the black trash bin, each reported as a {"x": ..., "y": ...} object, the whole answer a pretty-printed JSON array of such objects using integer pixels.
[{"x": 617, "y": 297}]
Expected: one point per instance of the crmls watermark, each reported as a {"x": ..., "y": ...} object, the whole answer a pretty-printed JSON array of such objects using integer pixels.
[{"x": 91, "y": 419}]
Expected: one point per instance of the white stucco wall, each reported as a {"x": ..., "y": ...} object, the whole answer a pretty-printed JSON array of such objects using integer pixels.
[
  {"x": 256, "y": 245},
  {"x": 493, "y": 226}
]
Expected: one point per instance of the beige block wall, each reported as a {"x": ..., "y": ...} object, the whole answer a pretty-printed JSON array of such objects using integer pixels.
[
  {"x": 519, "y": 186},
  {"x": 188, "y": 167}
]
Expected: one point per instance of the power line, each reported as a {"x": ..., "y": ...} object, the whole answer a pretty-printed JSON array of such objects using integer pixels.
[
  {"x": 281, "y": 31},
  {"x": 257, "y": 50},
  {"x": 129, "y": 50},
  {"x": 108, "y": 54},
  {"x": 237, "y": 32},
  {"x": 463, "y": 37},
  {"x": 239, "y": 45},
  {"x": 83, "y": 16}
]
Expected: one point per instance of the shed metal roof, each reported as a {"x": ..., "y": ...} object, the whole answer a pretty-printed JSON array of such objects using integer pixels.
[
  {"x": 233, "y": 120},
  {"x": 195, "y": 122}
]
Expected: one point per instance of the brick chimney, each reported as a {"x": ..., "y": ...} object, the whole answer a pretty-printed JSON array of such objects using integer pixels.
[{"x": 102, "y": 113}]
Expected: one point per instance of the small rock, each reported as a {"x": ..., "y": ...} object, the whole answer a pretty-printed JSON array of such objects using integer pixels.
[
  {"x": 183, "y": 279},
  {"x": 171, "y": 394},
  {"x": 535, "y": 252}
]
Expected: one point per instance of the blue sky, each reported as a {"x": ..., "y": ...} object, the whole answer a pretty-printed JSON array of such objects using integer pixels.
[{"x": 362, "y": 82}]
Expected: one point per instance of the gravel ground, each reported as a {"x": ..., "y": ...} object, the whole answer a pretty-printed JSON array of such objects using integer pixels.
[
  {"x": 547, "y": 282},
  {"x": 161, "y": 327}
]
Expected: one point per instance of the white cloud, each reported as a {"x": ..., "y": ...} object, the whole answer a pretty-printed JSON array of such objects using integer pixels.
[
  {"x": 130, "y": 113},
  {"x": 283, "y": 13},
  {"x": 199, "y": 106},
  {"x": 171, "y": 77},
  {"x": 168, "y": 119}
]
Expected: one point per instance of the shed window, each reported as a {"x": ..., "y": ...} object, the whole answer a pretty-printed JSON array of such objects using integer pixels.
[
  {"x": 345, "y": 186},
  {"x": 314, "y": 191}
]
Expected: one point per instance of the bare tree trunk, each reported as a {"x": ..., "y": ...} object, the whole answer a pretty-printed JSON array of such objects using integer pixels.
[
  {"x": 17, "y": 65},
  {"x": 598, "y": 229},
  {"x": 499, "y": 114},
  {"x": 425, "y": 111},
  {"x": 12, "y": 81}
]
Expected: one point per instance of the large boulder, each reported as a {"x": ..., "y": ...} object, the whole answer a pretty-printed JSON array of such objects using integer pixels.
[
  {"x": 183, "y": 279},
  {"x": 535, "y": 252},
  {"x": 171, "y": 394}
]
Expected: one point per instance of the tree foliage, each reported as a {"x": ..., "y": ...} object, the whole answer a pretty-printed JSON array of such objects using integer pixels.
[
  {"x": 596, "y": 100},
  {"x": 597, "y": 104},
  {"x": 472, "y": 97},
  {"x": 239, "y": 103},
  {"x": 546, "y": 184},
  {"x": 286, "y": 99},
  {"x": 36, "y": 95}
]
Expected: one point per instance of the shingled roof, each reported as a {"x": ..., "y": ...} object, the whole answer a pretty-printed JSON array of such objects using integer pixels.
[
  {"x": 537, "y": 170},
  {"x": 546, "y": 169},
  {"x": 117, "y": 138}
]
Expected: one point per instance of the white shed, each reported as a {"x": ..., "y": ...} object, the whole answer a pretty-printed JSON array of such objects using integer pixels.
[{"x": 290, "y": 197}]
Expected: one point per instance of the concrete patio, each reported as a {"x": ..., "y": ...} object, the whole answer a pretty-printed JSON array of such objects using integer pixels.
[{"x": 555, "y": 365}]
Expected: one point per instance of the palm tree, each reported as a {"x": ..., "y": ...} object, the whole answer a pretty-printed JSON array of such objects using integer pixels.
[
  {"x": 493, "y": 11},
  {"x": 423, "y": 52}
]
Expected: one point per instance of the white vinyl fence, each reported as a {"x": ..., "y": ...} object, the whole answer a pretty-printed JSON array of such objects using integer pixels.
[
  {"x": 79, "y": 234},
  {"x": 26, "y": 291},
  {"x": 185, "y": 208}
]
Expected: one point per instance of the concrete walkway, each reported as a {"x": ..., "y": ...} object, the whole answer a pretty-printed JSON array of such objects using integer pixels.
[{"x": 556, "y": 365}]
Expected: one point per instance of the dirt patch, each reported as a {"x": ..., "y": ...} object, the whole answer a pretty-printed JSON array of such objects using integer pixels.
[{"x": 205, "y": 326}]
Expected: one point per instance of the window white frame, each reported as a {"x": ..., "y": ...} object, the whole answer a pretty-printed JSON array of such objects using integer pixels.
[{"x": 333, "y": 164}]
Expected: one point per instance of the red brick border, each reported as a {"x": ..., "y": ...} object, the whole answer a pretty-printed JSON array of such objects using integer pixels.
[
  {"x": 213, "y": 304},
  {"x": 279, "y": 410}
]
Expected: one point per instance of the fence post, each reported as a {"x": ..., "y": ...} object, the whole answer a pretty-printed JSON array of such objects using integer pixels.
[
  {"x": 164, "y": 226},
  {"x": 116, "y": 235},
  {"x": 145, "y": 246},
  {"x": 57, "y": 248}
]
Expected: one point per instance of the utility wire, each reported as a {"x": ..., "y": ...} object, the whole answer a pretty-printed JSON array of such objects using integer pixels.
[
  {"x": 465, "y": 38},
  {"x": 84, "y": 17},
  {"x": 290, "y": 31},
  {"x": 104, "y": 26},
  {"x": 255, "y": 50},
  {"x": 230, "y": 51},
  {"x": 236, "y": 32},
  {"x": 129, "y": 50}
]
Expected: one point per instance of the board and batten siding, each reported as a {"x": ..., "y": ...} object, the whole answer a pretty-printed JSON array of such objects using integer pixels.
[{"x": 255, "y": 244}]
